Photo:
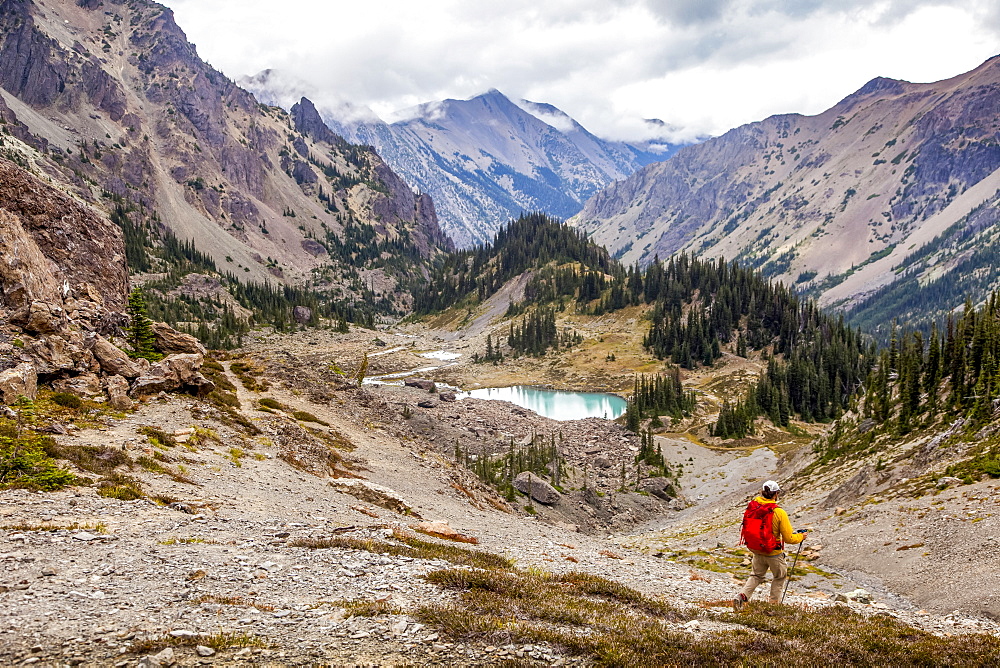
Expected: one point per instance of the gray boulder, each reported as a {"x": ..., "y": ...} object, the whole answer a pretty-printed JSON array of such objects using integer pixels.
[
  {"x": 421, "y": 383},
  {"x": 171, "y": 373},
  {"x": 539, "y": 490},
  {"x": 659, "y": 487}
]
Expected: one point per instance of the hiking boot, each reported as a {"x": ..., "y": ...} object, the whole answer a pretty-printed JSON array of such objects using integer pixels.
[{"x": 738, "y": 602}]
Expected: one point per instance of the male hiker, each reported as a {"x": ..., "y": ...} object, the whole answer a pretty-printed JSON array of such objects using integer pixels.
[{"x": 765, "y": 530}]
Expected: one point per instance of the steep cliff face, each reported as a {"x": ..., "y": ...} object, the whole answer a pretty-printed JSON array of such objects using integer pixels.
[
  {"x": 53, "y": 246},
  {"x": 118, "y": 106},
  {"x": 832, "y": 202}
]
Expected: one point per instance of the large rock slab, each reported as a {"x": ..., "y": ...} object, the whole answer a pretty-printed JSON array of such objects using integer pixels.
[
  {"x": 541, "y": 491},
  {"x": 373, "y": 493},
  {"x": 113, "y": 359},
  {"x": 85, "y": 385},
  {"x": 441, "y": 529},
  {"x": 25, "y": 273},
  {"x": 662, "y": 488},
  {"x": 171, "y": 373},
  {"x": 22, "y": 380},
  {"x": 57, "y": 354},
  {"x": 40, "y": 318},
  {"x": 169, "y": 341},
  {"x": 79, "y": 244}
]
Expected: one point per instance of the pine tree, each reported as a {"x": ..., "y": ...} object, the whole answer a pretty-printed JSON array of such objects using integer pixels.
[{"x": 139, "y": 332}]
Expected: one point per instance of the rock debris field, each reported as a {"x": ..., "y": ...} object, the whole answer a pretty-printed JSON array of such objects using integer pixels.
[{"x": 211, "y": 567}]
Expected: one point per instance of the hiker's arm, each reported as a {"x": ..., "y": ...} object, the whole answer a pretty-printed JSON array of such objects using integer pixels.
[{"x": 785, "y": 527}]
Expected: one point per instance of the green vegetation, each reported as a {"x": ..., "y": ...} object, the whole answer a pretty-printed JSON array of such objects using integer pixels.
[
  {"x": 305, "y": 416},
  {"x": 67, "y": 400},
  {"x": 251, "y": 376},
  {"x": 699, "y": 307},
  {"x": 273, "y": 404},
  {"x": 937, "y": 277},
  {"x": 530, "y": 242},
  {"x": 609, "y": 624},
  {"x": 24, "y": 462},
  {"x": 658, "y": 395},
  {"x": 916, "y": 385},
  {"x": 157, "y": 437},
  {"x": 537, "y": 333},
  {"x": 217, "y": 641},
  {"x": 493, "y": 354},
  {"x": 121, "y": 487},
  {"x": 139, "y": 332},
  {"x": 541, "y": 458}
]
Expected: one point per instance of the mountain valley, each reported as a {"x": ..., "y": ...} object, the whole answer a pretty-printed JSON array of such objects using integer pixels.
[
  {"x": 897, "y": 182},
  {"x": 236, "y": 347}
]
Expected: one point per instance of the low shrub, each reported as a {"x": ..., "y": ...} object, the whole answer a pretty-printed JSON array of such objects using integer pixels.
[{"x": 67, "y": 400}]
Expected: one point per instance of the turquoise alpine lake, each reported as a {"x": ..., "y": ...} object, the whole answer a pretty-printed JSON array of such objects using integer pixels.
[{"x": 555, "y": 404}]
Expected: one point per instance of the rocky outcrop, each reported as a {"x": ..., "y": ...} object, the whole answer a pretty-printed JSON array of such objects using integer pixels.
[
  {"x": 308, "y": 121},
  {"x": 83, "y": 251},
  {"x": 113, "y": 359},
  {"x": 85, "y": 385},
  {"x": 17, "y": 382},
  {"x": 173, "y": 372},
  {"x": 398, "y": 206},
  {"x": 528, "y": 483},
  {"x": 169, "y": 341}
]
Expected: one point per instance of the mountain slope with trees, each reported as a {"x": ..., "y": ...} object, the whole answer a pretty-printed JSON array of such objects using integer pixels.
[
  {"x": 897, "y": 179},
  {"x": 697, "y": 310},
  {"x": 112, "y": 103}
]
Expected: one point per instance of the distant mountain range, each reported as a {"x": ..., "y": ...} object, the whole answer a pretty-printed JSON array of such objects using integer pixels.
[
  {"x": 110, "y": 102},
  {"x": 483, "y": 160},
  {"x": 898, "y": 183}
]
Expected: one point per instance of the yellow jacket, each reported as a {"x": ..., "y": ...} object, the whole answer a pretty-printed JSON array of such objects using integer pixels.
[{"x": 781, "y": 526}]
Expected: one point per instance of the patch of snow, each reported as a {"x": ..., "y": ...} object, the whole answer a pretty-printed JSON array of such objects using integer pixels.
[{"x": 442, "y": 355}]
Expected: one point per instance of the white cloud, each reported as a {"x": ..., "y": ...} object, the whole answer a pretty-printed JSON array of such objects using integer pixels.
[{"x": 703, "y": 66}]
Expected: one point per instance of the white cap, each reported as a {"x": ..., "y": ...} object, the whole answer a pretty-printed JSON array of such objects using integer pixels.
[{"x": 771, "y": 487}]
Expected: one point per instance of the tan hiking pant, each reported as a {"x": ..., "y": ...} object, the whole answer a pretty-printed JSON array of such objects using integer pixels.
[{"x": 760, "y": 565}]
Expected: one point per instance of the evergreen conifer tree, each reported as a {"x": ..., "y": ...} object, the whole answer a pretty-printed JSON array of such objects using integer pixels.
[{"x": 139, "y": 332}]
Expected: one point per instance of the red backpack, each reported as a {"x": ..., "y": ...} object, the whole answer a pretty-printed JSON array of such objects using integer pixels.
[{"x": 757, "y": 532}]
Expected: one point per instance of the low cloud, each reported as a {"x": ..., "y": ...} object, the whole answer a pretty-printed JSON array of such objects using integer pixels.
[{"x": 703, "y": 66}]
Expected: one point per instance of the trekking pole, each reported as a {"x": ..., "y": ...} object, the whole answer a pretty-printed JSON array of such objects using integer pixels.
[{"x": 795, "y": 561}]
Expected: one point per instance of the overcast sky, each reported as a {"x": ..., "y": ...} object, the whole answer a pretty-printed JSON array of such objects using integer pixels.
[{"x": 702, "y": 66}]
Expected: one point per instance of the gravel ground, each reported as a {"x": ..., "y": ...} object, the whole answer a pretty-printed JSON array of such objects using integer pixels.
[{"x": 111, "y": 574}]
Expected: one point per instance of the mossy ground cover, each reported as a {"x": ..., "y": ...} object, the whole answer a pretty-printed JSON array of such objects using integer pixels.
[
  {"x": 613, "y": 625},
  {"x": 610, "y": 624}
]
